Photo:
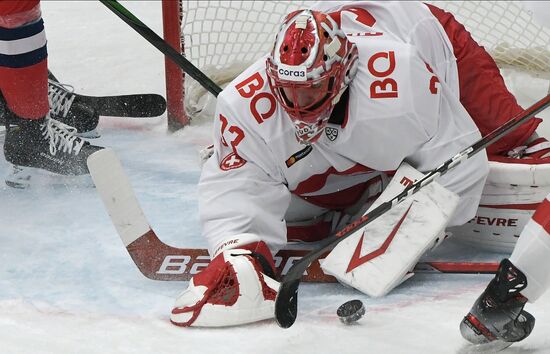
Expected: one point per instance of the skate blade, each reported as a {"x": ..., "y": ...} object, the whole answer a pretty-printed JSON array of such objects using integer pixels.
[
  {"x": 490, "y": 347},
  {"x": 30, "y": 177},
  {"x": 92, "y": 134},
  {"x": 472, "y": 330}
]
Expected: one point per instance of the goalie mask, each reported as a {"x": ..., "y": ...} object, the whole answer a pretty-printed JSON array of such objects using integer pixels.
[{"x": 310, "y": 66}]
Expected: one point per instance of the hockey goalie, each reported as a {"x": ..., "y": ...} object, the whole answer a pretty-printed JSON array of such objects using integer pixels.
[{"x": 355, "y": 101}]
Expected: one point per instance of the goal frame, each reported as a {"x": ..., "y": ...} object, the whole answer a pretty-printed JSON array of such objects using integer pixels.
[{"x": 175, "y": 77}]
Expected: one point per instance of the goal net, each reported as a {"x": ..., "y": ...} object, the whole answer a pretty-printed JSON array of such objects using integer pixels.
[{"x": 223, "y": 37}]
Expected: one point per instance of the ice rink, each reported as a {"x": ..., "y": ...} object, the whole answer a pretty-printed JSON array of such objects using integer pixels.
[{"x": 67, "y": 284}]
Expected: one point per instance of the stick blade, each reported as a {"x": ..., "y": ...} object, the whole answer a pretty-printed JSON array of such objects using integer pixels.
[
  {"x": 154, "y": 259},
  {"x": 286, "y": 303},
  {"x": 117, "y": 195},
  {"x": 134, "y": 105}
]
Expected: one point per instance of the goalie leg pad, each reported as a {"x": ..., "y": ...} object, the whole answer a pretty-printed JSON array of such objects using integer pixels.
[
  {"x": 377, "y": 258},
  {"x": 511, "y": 195},
  {"x": 234, "y": 289}
]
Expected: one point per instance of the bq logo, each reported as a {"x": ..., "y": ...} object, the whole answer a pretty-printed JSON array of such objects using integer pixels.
[{"x": 292, "y": 73}]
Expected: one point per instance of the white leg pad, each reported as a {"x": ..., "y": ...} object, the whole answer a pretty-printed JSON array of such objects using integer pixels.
[{"x": 378, "y": 257}]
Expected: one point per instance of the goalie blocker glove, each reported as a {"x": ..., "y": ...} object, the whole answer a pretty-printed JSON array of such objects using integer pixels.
[
  {"x": 498, "y": 313},
  {"x": 237, "y": 287}
]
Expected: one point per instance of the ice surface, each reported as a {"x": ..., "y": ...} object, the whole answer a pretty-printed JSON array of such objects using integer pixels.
[{"x": 67, "y": 285}]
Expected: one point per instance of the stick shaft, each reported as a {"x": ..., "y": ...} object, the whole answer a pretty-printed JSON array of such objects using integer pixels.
[{"x": 161, "y": 45}]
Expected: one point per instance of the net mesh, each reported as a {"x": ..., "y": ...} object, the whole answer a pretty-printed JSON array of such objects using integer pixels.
[{"x": 507, "y": 31}]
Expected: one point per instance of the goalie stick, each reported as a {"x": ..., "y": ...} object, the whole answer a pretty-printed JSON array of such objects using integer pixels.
[
  {"x": 286, "y": 303},
  {"x": 159, "y": 261}
]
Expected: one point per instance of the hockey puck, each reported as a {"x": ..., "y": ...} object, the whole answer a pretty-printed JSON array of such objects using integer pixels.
[{"x": 351, "y": 311}]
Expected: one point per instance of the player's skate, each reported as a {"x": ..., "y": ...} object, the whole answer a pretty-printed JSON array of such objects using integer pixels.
[
  {"x": 66, "y": 107},
  {"x": 45, "y": 151},
  {"x": 498, "y": 315},
  {"x": 236, "y": 288}
]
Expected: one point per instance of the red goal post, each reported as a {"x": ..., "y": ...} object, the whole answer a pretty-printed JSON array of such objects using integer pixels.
[{"x": 223, "y": 37}]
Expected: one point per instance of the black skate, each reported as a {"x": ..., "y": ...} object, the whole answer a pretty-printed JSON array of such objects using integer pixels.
[
  {"x": 44, "y": 151},
  {"x": 498, "y": 315},
  {"x": 68, "y": 108}
]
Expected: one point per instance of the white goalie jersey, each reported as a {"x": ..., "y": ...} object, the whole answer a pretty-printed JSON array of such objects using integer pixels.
[{"x": 402, "y": 106}]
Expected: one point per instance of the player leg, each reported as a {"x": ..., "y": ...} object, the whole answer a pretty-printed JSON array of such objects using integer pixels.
[
  {"x": 34, "y": 142},
  {"x": 498, "y": 313}
]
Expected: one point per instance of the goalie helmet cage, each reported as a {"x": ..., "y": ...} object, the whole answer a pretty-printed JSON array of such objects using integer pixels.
[{"x": 223, "y": 37}]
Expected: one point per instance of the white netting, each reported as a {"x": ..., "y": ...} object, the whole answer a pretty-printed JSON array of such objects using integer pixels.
[
  {"x": 507, "y": 31},
  {"x": 224, "y": 37}
]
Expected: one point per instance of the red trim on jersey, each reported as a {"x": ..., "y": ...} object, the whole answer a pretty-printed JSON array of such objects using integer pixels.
[
  {"x": 322, "y": 229},
  {"x": 542, "y": 215},
  {"x": 338, "y": 200},
  {"x": 308, "y": 233},
  {"x": 532, "y": 206},
  {"x": 316, "y": 182},
  {"x": 26, "y": 90},
  {"x": 361, "y": 15},
  {"x": 482, "y": 89}
]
